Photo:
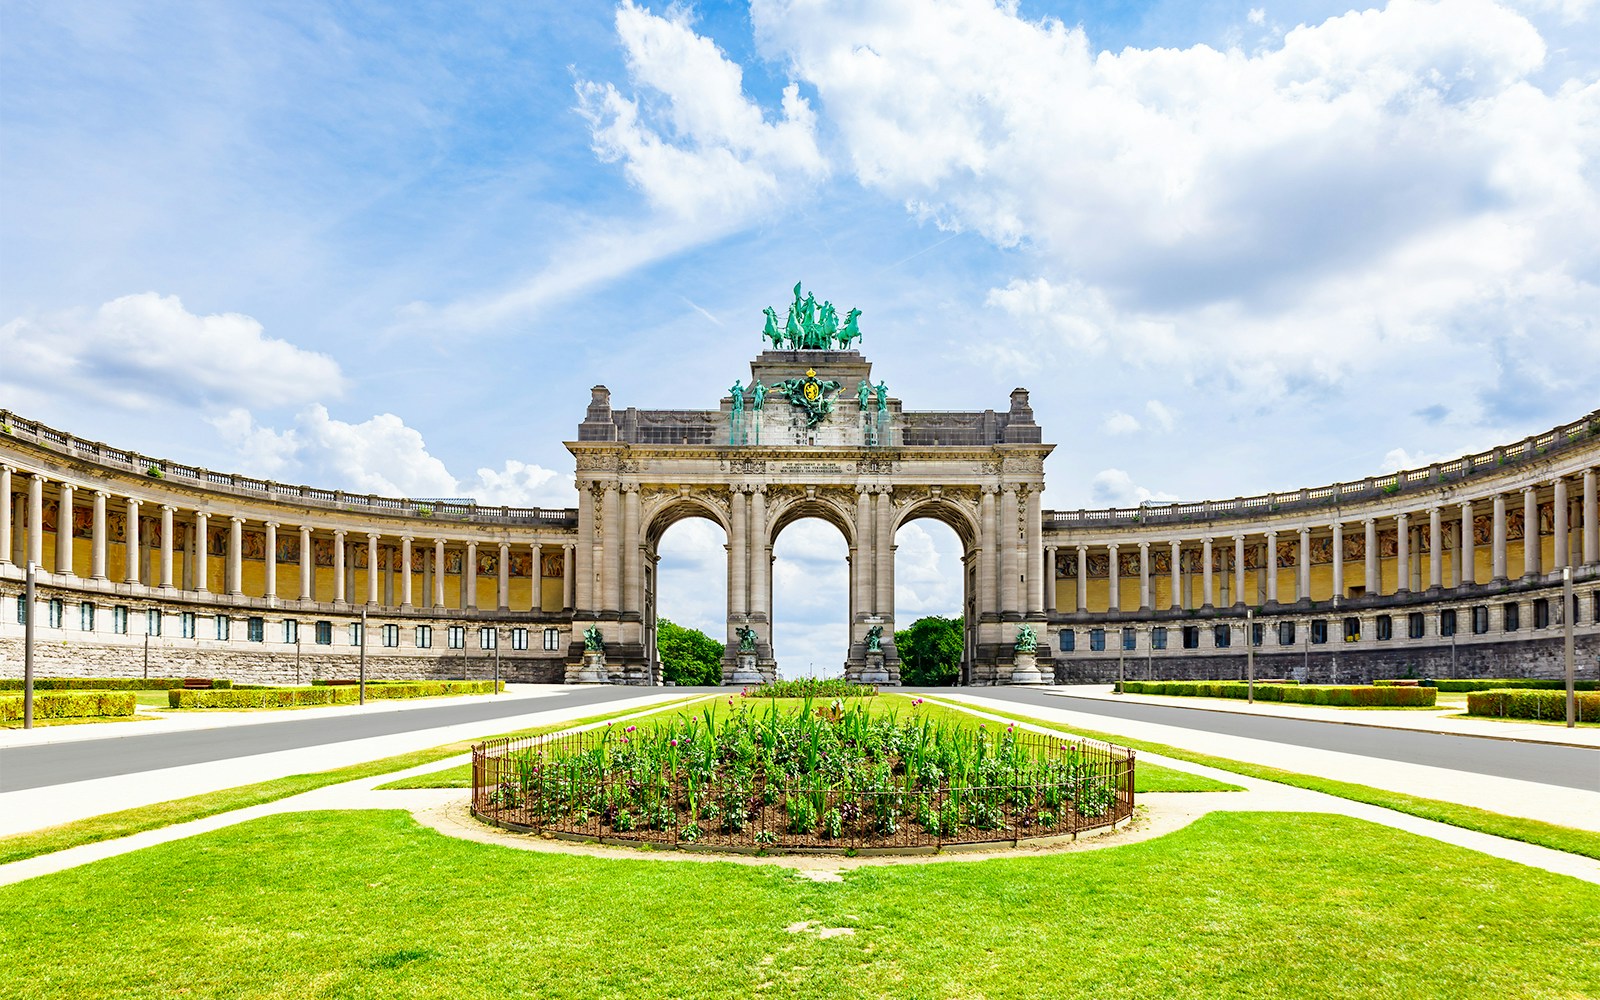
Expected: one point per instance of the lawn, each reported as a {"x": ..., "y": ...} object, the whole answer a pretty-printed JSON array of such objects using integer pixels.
[
  {"x": 371, "y": 904},
  {"x": 1147, "y": 777}
]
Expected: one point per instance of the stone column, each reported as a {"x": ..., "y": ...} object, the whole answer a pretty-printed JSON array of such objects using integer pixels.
[
  {"x": 1338, "y": 560},
  {"x": 569, "y": 577},
  {"x": 405, "y": 572},
  {"x": 438, "y": 573},
  {"x": 632, "y": 551},
  {"x": 5, "y": 514},
  {"x": 1033, "y": 536},
  {"x": 1560, "y": 543},
  {"x": 884, "y": 538},
  {"x": 1435, "y": 551},
  {"x": 1113, "y": 582},
  {"x": 1205, "y": 572},
  {"x": 611, "y": 547},
  {"x": 269, "y": 588},
  {"x": 536, "y": 602},
  {"x": 1591, "y": 519},
  {"x": 1144, "y": 576},
  {"x": 583, "y": 595},
  {"x": 339, "y": 592},
  {"x": 1051, "y": 601},
  {"x": 503, "y": 579},
  {"x": 988, "y": 555},
  {"x": 202, "y": 544},
  {"x": 35, "y": 548},
  {"x": 97, "y": 538},
  {"x": 166, "y": 546},
  {"x": 1083, "y": 578},
  {"x": 235, "y": 572},
  {"x": 1467, "y": 565},
  {"x": 760, "y": 555},
  {"x": 132, "y": 539},
  {"x": 1272, "y": 567},
  {"x": 1302, "y": 565},
  {"x": 1402, "y": 559},
  {"x": 1010, "y": 597},
  {"x": 1498, "y": 552},
  {"x": 738, "y": 553},
  {"x": 308, "y": 564},
  {"x": 1238, "y": 570},
  {"x": 861, "y": 587},
  {"x": 1530, "y": 532},
  {"x": 1374, "y": 579},
  {"x": 64, "y": 531},
  {"x": 469, "y": 575},
  {"x": 372, "y": 569}
]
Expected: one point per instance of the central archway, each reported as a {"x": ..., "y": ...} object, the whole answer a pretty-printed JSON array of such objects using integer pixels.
[
  {"x": 679, "y": 574},
  {"x": 810, "y": 599},
  {"x": 954, "y": 516}
]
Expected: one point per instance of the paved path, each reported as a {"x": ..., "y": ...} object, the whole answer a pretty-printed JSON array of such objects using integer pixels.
[{"x": 1544, "y": 763}]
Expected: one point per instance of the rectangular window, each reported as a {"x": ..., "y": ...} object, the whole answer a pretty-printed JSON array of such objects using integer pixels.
[
  {"x": 1097, "y": 639},
  {"x": 391, "y": 636},
  {"x": 255, "y": 629},
  {"x": 457, "y": 637},
  {"x": 1352, "y": 630},
  {"x": 1222, "y": 636},
  {"x": 1541, "y": 612},
  {"x": 186, "y": 625},
  {"x": 1385, "y": 628},
  {"x": 119, "y": 619},
  {"x": 86, "y": 616},
  {"x": 1257, "y": 631},
  {"x": 1510, "y": 617},
  {"x": 1447, "y": 622},
  {"x": 1130, "y": 638},
  {"x": 324, "y": 632},
  {"x": 1191, "y": 637},
  {"x": 519, "y": 638},
  {"x": 1596, "y": 606},
  {"x": 355, "y": 633},
  {"x": 22, "y": 610},
  {"x": 1416, "y": 626},
  {"x": 1480, "y": 620},
  {"x": 152, "y": 621},
  {"x": 57, "y": 612},
  {"x": 291, "y": 631},
  {"x": 224, "y": 626},
  {"x": 488, "y": 637},
  {"x": 1158, "y": 637},
  {"x": 1068, "y": 639},
  {"x": 1319, "y": 631},
  {"x": 424, "y": 636},
  {"x": 1286, "y": 633}
]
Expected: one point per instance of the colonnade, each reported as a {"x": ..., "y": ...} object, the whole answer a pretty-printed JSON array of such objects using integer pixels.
[{"x": 179, "y": 560}]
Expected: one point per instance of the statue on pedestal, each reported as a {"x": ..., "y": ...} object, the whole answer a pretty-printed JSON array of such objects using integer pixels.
[
  {"x": 875, "y": 639},
  {"x": 747, "y": 638},
  {"x": 1027, "y": 640},
  {"x": 593, "y": 642}
]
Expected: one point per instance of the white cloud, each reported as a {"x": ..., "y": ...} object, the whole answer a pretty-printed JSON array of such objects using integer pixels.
[
  {"x": 1399, "y": 459},
  {"x": 1257, "y": 15},
  {"x": 1115, "y": 488},
  {"x": 1118, "y": 422},
  {"x": 1160, "y": 415},
  {"x": 927, "y": 572},
  {"x": 147, "y": 349}
]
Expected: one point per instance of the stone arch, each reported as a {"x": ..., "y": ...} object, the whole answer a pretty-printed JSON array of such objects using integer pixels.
[
  {"x": 665, "y": 511},
  {"x": 823, "y": 506},
  {"x": 960, "y": 518}
]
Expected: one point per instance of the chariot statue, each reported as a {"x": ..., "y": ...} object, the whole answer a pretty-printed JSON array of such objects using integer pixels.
[{"x": 811, "y": 326}]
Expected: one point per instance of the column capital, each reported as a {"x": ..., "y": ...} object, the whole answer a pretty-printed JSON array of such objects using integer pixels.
[
  {"x": 1433, "y": 511},
  {"x": 408, "y": 538},
  {"x": 1529, "y": 490},
  {"x": 1303, "y": 531},
  {"x": 64, "y": 485},
  {"x": 1370, "y": 522},
  {"x": 1111, "y": 546},
  {"x": 134, "y": 501},
  {"x": 504, "y": 546},
  {"x": 1336, "y": 526},
  {"x": 168, "y": 507},
  {"x": 441, "y": 541},
  {"x": 373, "y": 536},
  {"x": 271, "y": 524},
  {"x": 235, "y": 518},
  {"x": 630, "y": 487},
  {"x": 1239, "y": 538},
  {"x": 1403, "y": 517},
  {"x": 1082, "y": 549},
  {"x": 1144, "y": 546},
  {"x": 1206, "y": 540},
  {"x": 36, "y": 475},
  {"x": 306, "y": 528},
  {"x": 7, "y": 467},
  {"x": 1273, "y": 533},
  {"x": 103, "y": 494},
  {"x": 340, "y": 532}
]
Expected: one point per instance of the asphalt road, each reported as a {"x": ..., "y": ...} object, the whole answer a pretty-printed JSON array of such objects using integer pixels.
[
  {"x": 60, "y": 763},
  {"x": 1565, "y": 766}
]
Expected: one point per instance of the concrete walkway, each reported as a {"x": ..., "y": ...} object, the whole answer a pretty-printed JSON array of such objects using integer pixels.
[{"x": 1553, "y": 804}]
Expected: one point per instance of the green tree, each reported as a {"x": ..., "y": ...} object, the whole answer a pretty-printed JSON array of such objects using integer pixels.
[
  {"x": 930, "y": 651},
  {"x": 689, "y": 657}
]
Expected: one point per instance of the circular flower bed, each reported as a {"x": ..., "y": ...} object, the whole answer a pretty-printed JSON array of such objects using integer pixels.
[{"x": 810, "y": 779}]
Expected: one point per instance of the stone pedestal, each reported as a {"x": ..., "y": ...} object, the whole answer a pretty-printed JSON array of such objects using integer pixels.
[
  {"x": 874, "y": 672},
  {"x": 591, "y": 671},
  {"x": 744, "y": 670},
  {"x": 1025, "y": 669}
]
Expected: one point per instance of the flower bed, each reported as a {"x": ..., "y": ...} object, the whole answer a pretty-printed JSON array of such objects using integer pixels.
[
  {"x": 1530, "y": 704},
  {"x": 71, "y": 705},
  {"x": 290, "y": 697},
  {"x": 1351, "y": 696},
  {"x": 824, "y": 779}
]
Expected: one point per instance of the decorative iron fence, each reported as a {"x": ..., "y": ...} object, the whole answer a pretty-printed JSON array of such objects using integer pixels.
[{"x": 576, "y": 786}]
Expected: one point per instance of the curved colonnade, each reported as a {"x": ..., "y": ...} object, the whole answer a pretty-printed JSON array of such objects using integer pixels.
[{"x": 145, "y": 564}]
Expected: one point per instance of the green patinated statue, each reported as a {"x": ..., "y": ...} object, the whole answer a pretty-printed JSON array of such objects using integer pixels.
[
  {"x": 864, "y": 395},
  {"x": 792, "y": 333},
  {"x": 813, "y": 395},
  {"x": 883, "y": 397},
  {"x": 593, "y": 642},
  {"x": 811, "y": 326},
  {"x": 758, "y": 395},
  {"x": 1027, "y": 641},
  {"x": 851, "y": 331},
  {"x": 738, "y": 395},
  {"x": 747, "y": 638},
  {"x": 771, "y": 331},
  {"x": 875, "y": 639}
]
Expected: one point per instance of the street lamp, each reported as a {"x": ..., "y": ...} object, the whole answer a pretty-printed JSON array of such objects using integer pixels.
[
  {"x": 1566, "y": 640},
  {"x": 1250, "y": 653}
]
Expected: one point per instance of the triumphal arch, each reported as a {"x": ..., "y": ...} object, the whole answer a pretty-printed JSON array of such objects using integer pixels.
[{"x": 809, "y": 434}]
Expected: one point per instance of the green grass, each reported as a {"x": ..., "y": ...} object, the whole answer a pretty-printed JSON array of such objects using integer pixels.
[
  {"x": 1147, "y": 777},
  {"x": 371, "y": 904},
  {"x": 130, "y": 821},
  {"x": 1531, "y": 831}
]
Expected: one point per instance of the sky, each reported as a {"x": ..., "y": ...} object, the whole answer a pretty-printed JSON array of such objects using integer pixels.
[{"x": 1229, "y": 247}]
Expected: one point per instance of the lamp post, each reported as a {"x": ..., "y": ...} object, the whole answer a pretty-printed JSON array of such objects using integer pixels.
[
  {"x": 27, "y": 650},
  {"x": 1250, "y": 653},
  {"x": 497, "y": 659},
  {"x": 1566, "y": 640},
  {"x": 363, "y": 679},
  {"x": 1122, "y": 648}
]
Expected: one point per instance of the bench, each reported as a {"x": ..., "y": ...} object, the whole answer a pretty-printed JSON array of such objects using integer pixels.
[{"x": 197, "y": 684}]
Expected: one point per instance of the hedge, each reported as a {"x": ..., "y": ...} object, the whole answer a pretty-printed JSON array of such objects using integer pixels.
[
  {"x": 1319, "y": 694},
  {"x": 1498, "y": 684},
  {"x": 70, "y": 705},
  {"x": 1525, "y": 704},
  {"x": 104, "y": 683},
  {"x": 287, "y": 697}
]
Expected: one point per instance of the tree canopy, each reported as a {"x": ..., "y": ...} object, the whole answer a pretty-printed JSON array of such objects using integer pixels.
[
  {"x": 689, "y": 657},
  {"x": 930, "y": 651}
]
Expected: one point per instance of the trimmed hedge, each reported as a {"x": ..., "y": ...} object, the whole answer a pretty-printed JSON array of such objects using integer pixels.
[
  {"x": 1500, "y": 684},
  {"x": 1310, "y": 694},
  {"x": 288, "y": 697},
  {"x": 104, "y": 683},
  {"x": 1525, "y": 704},
  {"x": 71, "y": 705}
]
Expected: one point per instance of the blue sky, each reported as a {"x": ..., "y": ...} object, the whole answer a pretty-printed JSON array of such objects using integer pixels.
[{"x": 1230, "y": 247}]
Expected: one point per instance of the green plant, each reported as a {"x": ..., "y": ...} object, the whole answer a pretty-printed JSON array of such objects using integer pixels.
[
  {"x": 689, "y": 833},
  {"x": 1391, "y": 489},
  {"x": 154, "y": 472},
  {"x": 832, "y": 824},
  {"x": 1534, "y": 704},
  {"x": 766, "y": 838},
  {"x": 70, "y": 705}
]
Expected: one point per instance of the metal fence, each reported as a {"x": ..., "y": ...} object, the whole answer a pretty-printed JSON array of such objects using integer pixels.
[{"x": 567, "y": 786}]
